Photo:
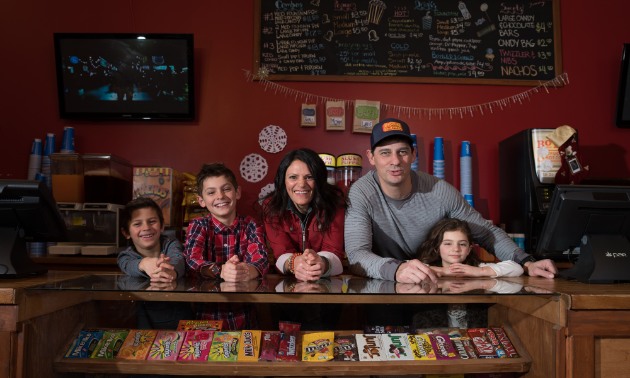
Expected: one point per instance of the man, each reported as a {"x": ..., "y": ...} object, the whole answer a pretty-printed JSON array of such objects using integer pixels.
[{"x": 393, "y": 208}]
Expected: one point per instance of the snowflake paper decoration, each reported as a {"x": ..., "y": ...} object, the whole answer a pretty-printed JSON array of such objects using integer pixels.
[
  {"x": 266, "y": 190},
  {"x": 263, "y": 72},
  {"x": 253, "y": 168},
  {"x": 272, "y": 139}
]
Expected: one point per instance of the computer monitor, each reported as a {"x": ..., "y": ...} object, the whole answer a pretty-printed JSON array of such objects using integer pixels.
[
  {"x": 597, "y": 219},
  {"x": 28, "y": 213}
]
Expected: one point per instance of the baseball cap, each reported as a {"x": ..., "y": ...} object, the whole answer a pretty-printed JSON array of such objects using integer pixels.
[{"x": 389, "y": 127}]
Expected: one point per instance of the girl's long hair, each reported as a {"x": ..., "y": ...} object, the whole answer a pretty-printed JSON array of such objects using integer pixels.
[
  {"x": 327, "y": 198},
  {"x": 429, "y": 251}
]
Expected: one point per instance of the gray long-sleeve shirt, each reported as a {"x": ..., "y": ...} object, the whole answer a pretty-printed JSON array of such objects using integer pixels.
[
  {"x": 129, "y": 259},
  {"x": 381, "y": 232}
]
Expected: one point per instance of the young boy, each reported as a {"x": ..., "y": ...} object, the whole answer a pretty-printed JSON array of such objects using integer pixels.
[
  {"x": 153, "y": 256},
  {"x": 224, "y": 244}
]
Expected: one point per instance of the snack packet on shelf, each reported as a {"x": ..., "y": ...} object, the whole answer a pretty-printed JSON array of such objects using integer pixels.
[
  {"x": 224, "y": 346},
  {"x": 166, "y": 346},
  {"x": 483, "y": 347},
  {"x": 494, "y": 340},
  {"x": 345, "y": 348},
  {"x": 137, "y": 344},
  {"x": 421, "y": 347},
  {"x": 249, "y": 346},
  {"x": 196, "y": 346},
  {"x": 505, "y": 341},
  {"x": 85, "y": 343},
  {"x": 269, "y": 348},
  {"x": 442, "y": 347},
  {"x": 318, "y": 347},
  {"x": 289, "y": 340},
  {"x": 110, "y": 344},
  {"x": 370, "y": 347},
  {"x": 453, "y": 333},
  {"x": 200, "y": 325},
  {"x": 388, "y": 329},
  {"x": 397, "y": 347}
]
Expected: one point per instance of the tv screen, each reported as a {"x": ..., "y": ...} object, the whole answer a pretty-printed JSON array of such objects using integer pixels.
[
  {"x": 622, "y": 118},
  {"x": 125, "y": 76}
]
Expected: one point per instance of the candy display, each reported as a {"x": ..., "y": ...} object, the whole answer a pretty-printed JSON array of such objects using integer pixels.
[
  {"x": 482, "y": 345},
  {"x": 166, "y": 345},
  {"x": 85, "y": 344},
  {"x": 505, "y": 341},
  {"x": 494, "y": 340},
  {"x": 249, "y": 346},
  {"x": 345, "y": 348},
  {"x": 442, "y": 347},
  {"x": 137, "y": 344},
  {"x": 269, "y": 349},
  {"x": 200, "y": 325},
  {"x": 370, "y": 347},
  {"x": 224, "y": 346},
  {"x": 110, "y": 344},
  {"x": 396, "y": 346},
  {"x": 470, "y": 348},
  {"x": 196, "y": 346},
  {"x": 289, "y": 338},
  {"x": 318, "y": 347}
]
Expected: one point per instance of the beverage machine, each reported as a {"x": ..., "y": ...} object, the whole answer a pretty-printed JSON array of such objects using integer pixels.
[{"x": 528, "y": 163}]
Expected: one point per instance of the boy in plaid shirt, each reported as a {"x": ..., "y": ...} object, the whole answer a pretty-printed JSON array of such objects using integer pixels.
[{"x": 224, "y": 245}]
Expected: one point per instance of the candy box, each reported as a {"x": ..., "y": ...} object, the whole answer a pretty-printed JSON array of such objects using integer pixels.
[
  {"x": 110, "y": 344},
  {"x": 137, "y": 344},
  {"x": 200, "y": 325},
  {"x": 196, "y": 346},
  {"x": 224, "y": 346},
  {"x": 269, "y": 348},
  {"x": 505, "y": 341},
  {"x": 249, "y": 346},
  {"x": 166, "y": 345},
  {"x": 421, "y": 347},
  {"x": 288, "y": 349},
  {"x": 318, "y": 347},
  {"x": 85, "y": 343},
  {"x": 388, "y": 329},
  {"x": 452, "y": 332},
  {"x": 345, "y": 348},
  {"x": 165, "y": 187},
  {"x": 442, "y": 347},
  {"x": 396, "y": 346},
  {"x": 370, "y": 347}
]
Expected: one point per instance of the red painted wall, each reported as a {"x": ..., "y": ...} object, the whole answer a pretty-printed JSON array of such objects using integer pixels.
[{"x": 232, "y": 111}]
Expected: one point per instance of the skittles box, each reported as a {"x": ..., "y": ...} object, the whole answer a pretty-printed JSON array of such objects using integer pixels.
[
  {"x": 110, "y": 344},
  {"x": 224, "y": 346},
  {"x": 85, "y": 343},
  {"x": 196, "y": 346},
  {"x": 137, "y": 344},
  {"x": 164, "y": 186},
  {"x": 166, "y": 346}
]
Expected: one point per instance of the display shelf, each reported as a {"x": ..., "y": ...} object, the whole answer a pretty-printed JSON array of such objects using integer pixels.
[
  {"x": 83, "y": 260},
  {"x": 267, "y": 368}
]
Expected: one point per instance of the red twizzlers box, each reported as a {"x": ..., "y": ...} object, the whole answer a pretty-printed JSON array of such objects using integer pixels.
[
  {"x": 507, "y": 344},
  {"x": 483, "y": 346}
]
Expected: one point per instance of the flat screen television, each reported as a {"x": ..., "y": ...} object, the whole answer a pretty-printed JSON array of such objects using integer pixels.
[
  {"x": 622, "y": 116},
  {"x": 125, "y": 76}
]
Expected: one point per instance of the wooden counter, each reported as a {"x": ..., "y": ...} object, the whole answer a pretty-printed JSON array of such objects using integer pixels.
[{"x": 583, "y": 332}]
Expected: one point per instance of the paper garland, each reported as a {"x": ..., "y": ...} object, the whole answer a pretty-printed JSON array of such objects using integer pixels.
[
  {"x": 420, "y": 112},
  {"x": 272, "y": 139},
  {"x": 254, "y": 168}
]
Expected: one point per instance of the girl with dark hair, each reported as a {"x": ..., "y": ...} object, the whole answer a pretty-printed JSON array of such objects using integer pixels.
[
  {"x": 304, "y": 218},
  {"x": 448, "y": 248}
]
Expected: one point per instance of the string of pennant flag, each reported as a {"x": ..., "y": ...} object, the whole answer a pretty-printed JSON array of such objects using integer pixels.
[{"x": 411, "y": 111}]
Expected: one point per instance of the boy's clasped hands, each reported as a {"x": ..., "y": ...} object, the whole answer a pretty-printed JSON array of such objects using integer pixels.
[
  {"x": 158, "y": 269},
  {"x": 235, "y": 270}
]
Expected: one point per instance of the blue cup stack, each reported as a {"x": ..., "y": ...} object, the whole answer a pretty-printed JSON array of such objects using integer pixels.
[
  {"x": 466, "y": 173},
  {"x": 67, "y": 141},
  {"x": 414, "y": 165},
  {"x": 35, "y": 159},
  {"x": 438, "y": 158},
  {"x": 49, "y": 148}
]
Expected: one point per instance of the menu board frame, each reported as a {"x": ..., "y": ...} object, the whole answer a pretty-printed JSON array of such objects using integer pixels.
[{"x": 558, "y": 68}]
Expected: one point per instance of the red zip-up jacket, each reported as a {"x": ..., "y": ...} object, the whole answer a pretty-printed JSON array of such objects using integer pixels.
[{"x": 286, "y": 236}]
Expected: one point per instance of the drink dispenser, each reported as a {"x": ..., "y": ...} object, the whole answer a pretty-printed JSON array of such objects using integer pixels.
[
  {"x": 107, "y": 179},
  {"x": 349, "y": 167},
  {"x": 67, "y": 177},
  {"x": 329, "y": 161}
]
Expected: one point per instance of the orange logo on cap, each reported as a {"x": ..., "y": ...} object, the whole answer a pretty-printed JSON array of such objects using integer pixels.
[{"x": 392, "y": 126}]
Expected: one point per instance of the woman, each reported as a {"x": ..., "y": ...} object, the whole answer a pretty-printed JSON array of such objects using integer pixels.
[{"x": 304, "y": 218}]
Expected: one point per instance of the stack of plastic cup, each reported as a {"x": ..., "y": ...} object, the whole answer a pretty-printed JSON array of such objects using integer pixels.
[
  {"x": 438, "y": 158},
  {"x": 466, "y": 173},
  {"x": 67, "y": 141},
  {"x": 49, "y": 148},
  {"x": 38, "y": 249},
  {"x": 414, "y": 165},
  {"x": 35, "y": 160}
]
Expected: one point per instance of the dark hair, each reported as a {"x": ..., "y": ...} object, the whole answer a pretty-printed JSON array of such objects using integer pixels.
[
  {"x": 137, "y": 204},
  {"x": 327, "y": 198},
  {"x": 429, "y": 251},
  {"x": 214, "y": 170},
  {"x": 393, "y": 138}
]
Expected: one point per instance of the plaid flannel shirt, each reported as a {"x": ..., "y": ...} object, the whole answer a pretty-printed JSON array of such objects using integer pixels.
[{"x": 208, "y": 243}]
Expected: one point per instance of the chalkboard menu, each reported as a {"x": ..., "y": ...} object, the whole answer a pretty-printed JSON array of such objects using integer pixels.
[{"x": 500, "y": 42}]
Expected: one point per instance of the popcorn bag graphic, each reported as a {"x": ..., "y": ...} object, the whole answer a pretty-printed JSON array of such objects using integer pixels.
[{"x": 375, "y": 11}]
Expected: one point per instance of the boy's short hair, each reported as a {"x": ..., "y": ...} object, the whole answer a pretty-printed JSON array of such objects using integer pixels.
[
  {"x": 137, "y": 204},
  {"x": 214, "y": 170}
]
